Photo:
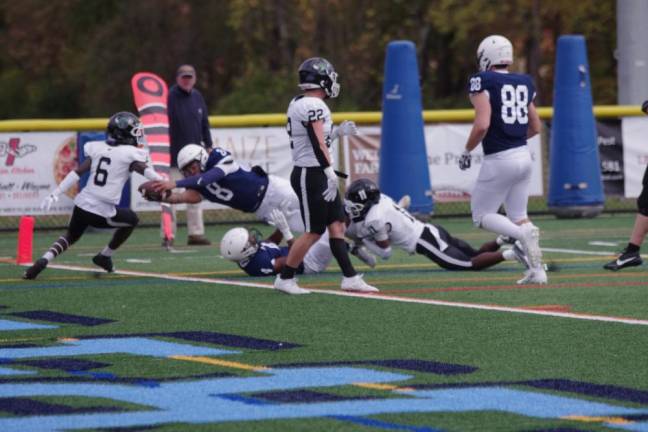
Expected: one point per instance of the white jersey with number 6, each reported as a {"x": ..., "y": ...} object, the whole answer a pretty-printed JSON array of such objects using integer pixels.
[
  {"x": 387, "y": 220},
  {"x": 109, "y": 171},
  {"x": 302, "y": 111}
]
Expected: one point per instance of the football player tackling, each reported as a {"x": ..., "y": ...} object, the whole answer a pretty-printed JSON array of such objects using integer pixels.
[
  {"x": 110, "y": 164},
  {"x": 505, "y": 117},
  {"x": 378, "y": 222}
]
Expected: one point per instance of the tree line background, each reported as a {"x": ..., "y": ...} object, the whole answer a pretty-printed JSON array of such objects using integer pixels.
[{"x": 75, "y": 58}]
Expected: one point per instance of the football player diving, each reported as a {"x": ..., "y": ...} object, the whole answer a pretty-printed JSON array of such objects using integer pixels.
[
  {"x": 110, "y": 164},
  {"x": 379, "y": 223}
]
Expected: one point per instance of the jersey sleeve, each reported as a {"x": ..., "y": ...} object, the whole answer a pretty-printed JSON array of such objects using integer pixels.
[
  {"x": 91, "y": 148},
  {"x": 376, "y": 224},
  {"x": 532, "y": 89},
  {"x": 140, "y": 155},
  {"x": 477, "y": 83}
]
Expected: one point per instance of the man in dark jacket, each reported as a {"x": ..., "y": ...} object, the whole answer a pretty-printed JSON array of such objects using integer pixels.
[{"x": 188, "y": 124}]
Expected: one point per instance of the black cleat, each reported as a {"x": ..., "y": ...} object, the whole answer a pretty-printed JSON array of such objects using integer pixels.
[
  {"x": 35, "y": 269},
  {"x": 626, "y": 259},
  {"x": 103, "y": 261}
]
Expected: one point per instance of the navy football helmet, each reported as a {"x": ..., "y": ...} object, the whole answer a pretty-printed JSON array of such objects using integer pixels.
[
  {"x": 361, "y": 195},
  {"x": 317, "y": 72},
  {"x": 125, "y": 128}
]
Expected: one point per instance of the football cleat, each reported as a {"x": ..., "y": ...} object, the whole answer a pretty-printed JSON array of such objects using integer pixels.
[
  {"x": 364, "y": 255},
  {"x": 289, "y": 286},
  {"x": 356, "y": 283},
  {"x": 626, "y": 259},
  {"x": 103, "y": 261},
  {"x": 531, "y": 242},
  {"x": 520, "y": 256},
  {"x": 35, "y": 269},
  {"x": 504, "y": 239},
  {"x": 537, "y": 276}
]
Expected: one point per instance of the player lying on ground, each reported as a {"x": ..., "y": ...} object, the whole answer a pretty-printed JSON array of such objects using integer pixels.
[
  {"x": 110, "y": 164},
  {"x": 258, "y": 257},
  {"x": 378, "y": 222}
]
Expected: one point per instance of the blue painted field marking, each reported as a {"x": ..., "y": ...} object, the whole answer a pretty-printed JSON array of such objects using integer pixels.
[
  {"x": 9, "y": 371},
  {"x": 194, "y": 401},
  {"x": 134, "y": 346},
  {"x": 8, "y": 325}
]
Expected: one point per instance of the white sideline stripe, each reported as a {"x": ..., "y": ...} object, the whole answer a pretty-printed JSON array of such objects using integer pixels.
[
  {"x": 586, "y": 317},
  {"x": 579, "y": 252}
]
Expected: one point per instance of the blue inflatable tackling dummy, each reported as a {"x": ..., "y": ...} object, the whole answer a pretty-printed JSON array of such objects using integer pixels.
[
  {"x": 403, "y": 156},
  {"x": 575, "y": 186}
]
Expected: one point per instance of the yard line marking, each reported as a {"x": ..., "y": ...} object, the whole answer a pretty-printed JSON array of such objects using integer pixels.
[
  {"x": 218, "y": 362},
  {"x": 583, "y": 252},
  {"x": 462, "y": 305}
]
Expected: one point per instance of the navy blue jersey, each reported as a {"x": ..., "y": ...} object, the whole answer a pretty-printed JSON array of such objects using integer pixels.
[
  {"x": 241, "y": 188},
  {"x": 510, "y": 95},
  {"x": 262, "y": 262}
]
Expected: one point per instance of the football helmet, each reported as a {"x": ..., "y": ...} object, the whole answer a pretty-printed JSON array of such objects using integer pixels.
[
  {"x": 190, "y": 153},
  {"x": 493, "y": 51},
  {"x": 361, "y": 195},
  {"x": 238, "y": 244},
  {"x": 317, "y": 72},
  {"x": 124, "y": 128}
]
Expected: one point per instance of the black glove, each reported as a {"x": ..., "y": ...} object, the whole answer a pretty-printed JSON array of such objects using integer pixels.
[
  {"x": 644, "y": 107},
  {"x": 465, "y": 161}
]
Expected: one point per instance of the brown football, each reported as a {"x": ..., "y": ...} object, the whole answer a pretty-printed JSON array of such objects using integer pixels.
[{"x": 146, "y": 189}]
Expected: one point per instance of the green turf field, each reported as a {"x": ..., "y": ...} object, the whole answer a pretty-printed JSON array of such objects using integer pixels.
[{"x": 186, "y": 342}]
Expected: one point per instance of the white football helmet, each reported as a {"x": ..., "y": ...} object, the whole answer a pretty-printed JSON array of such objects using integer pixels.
[
  {"x": 493, "y": 51},
  {"x": 190, "y": 153},
  {"x": 237, "y": 244}
]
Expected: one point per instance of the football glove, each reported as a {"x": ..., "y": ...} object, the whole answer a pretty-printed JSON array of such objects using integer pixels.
[
  {"x": 277, "y": 219},
  {"x": 465, "y": 161},
  {"x": 347, "y": 127},
  {"x": 48, "y": 201},
  {"x": 644, "y": 107},
  {"x": 331, "y": 184}
]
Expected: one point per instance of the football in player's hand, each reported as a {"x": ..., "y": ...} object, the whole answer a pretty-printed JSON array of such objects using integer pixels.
[{"x": 149, "y": 193}]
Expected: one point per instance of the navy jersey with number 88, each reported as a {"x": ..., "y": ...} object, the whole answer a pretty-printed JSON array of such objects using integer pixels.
[{"x": 510, "y": 95}]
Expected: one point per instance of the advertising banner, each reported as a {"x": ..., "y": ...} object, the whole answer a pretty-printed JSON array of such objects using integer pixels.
[
  {"x": 31, "y": 165},
  {"x": 444, "y": 144},
  {"x": 610, "y": 146}
]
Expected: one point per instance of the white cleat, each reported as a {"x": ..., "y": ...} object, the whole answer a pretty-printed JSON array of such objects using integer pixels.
[
  {"x": 289, "y": 286},
  {"x": 537, "y": 276},
  {"x": 520, "y": 256},
  {"x": 356, "y": 283},
  {"x": 504, "y": 239},
  {"x": 405, "y": 201},
  {"x": 531, "y": 242}
]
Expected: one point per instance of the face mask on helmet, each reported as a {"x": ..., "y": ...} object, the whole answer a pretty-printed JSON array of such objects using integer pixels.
[
  {"x": 316, "y": 73},
  {"x": 124, "y": 128},
  {"x": 189, "y": 154},
  {"x": 360, "y": 197},
  {"x": 239, "y": 244}
]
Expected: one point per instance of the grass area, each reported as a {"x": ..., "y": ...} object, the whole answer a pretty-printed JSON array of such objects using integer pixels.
[{"x": 470, "y": 364}]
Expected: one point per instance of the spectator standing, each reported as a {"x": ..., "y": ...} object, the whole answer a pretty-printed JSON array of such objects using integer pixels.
[{"x": 188, "y": 124}]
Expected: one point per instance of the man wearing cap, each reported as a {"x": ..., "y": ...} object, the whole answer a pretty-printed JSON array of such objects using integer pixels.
[{"x": 188, "y": 124}]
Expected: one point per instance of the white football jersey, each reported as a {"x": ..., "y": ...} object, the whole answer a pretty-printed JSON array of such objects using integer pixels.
[
  {"x": 388, "y": 221},
  {"x": 109, "y": 171},
  {"x": 302, "y": 111}
]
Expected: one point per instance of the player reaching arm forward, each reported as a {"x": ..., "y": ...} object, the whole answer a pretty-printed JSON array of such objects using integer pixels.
[
  {"x": 505, "y": 117},
  {"x": 110, "y": 164}
]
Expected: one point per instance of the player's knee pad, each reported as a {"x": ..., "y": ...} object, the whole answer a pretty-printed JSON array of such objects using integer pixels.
[{"x": 642, "y": 202}]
